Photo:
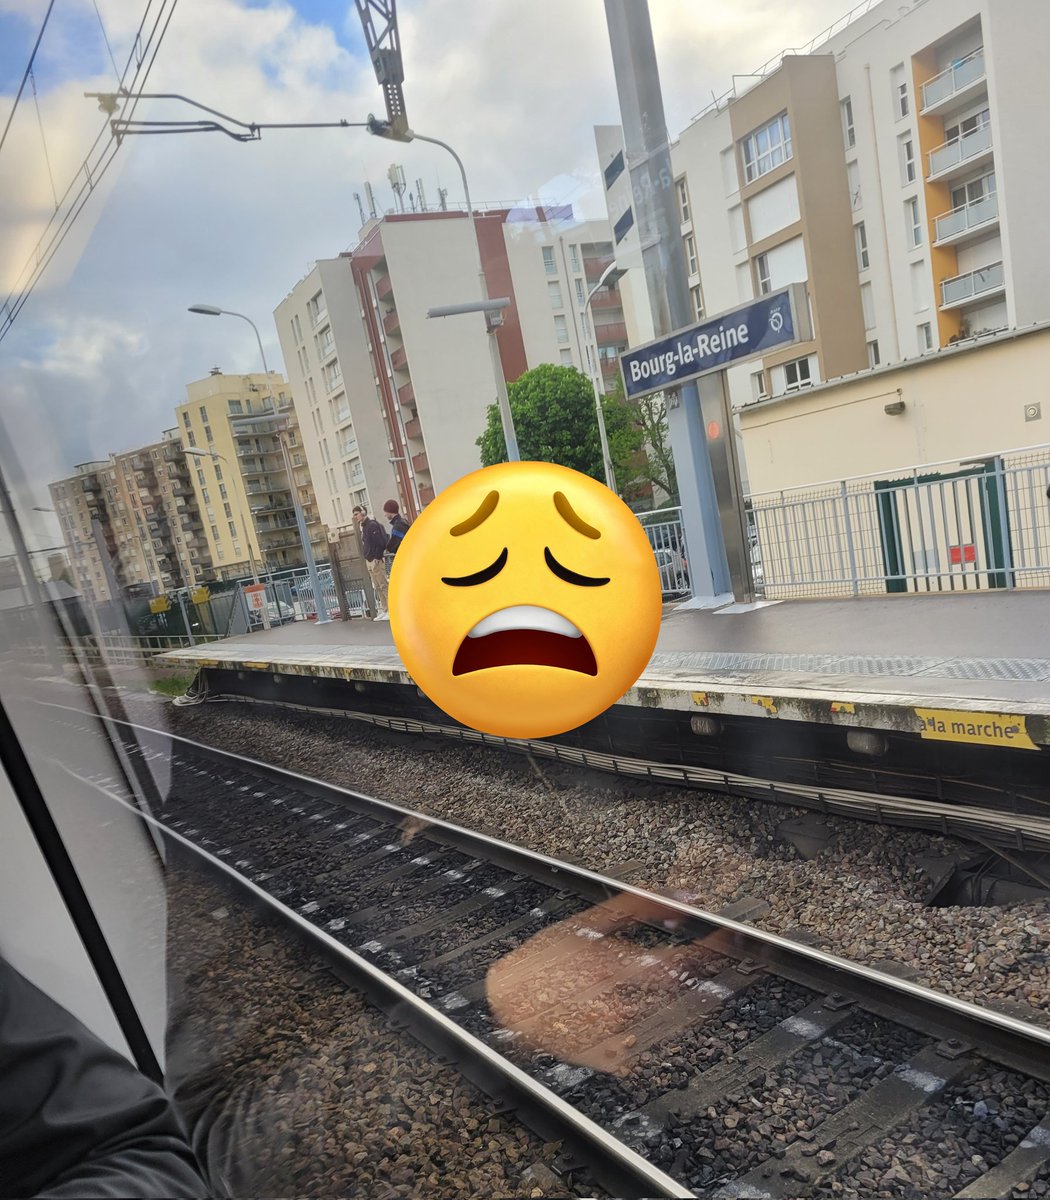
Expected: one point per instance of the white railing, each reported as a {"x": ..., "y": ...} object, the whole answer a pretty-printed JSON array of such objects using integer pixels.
[
  {"x": 959, "y": 75},
  {"x": 960, "y": 149},
  {"x": 966, "y": 216},
  {"x": 962, "y": 288}
]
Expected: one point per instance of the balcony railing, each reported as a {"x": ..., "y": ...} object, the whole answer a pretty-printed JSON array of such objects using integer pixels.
[
  {"x": 966, "y": 216},
  {"x": 960, "y": 75},
  {"x": 405, "y": 395},
  {"x": 419, "y": 461},
  {"x": 413, "y": 429},
  {"x": 392, "y": 322},
  {"x": 593, "y": 266},
  {"x": 609, "y": 335},
  {"x": 961, "y": 149},
  {"x": 607, "y": 299},
  {"x": 962, "y": 288},
  {"x": 384, "y": 288},
  {"x": 399, "y": 359}
]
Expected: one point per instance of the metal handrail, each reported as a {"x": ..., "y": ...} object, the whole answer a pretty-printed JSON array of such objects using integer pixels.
[
  {"x": 992, "y": 197},
  {"x": 959, "y": 63}
]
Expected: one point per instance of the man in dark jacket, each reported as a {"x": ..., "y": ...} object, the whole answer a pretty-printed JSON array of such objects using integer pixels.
[
  {"x": 373, "y": 546},
  {"x": 76, "y": 1118},
  {"x": 398, "y": 526}
]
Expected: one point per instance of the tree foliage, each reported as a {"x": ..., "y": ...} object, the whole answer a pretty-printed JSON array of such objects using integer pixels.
[{"x": 555, "y": 420}]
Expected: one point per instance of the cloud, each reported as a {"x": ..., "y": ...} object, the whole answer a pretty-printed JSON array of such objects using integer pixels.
[{"x": 101, "y": 354}]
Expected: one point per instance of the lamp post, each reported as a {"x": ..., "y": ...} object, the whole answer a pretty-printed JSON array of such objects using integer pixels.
[
  {"x": 608, "y": 277},
  {"x": 197, "y": 452},
  {"x": 210, "y": 310}
]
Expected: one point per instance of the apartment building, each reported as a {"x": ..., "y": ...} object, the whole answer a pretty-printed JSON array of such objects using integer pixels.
[
  {"x": 390, "y": 402},
  {"x": 236, "y": 430},
  {"x": 890, "y": 168},
  {"x": 130, "y": 522}
]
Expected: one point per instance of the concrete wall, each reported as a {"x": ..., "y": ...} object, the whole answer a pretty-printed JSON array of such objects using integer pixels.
[{"x": 966, "y": 401}]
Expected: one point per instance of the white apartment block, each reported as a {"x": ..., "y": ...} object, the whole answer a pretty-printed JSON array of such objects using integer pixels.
[
  {"x": 894, "y": 169},
  {"x": 391, "y": 402}
]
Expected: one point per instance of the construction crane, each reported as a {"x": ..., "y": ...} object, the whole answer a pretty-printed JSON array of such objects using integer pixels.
[{"x": 379, "y": 19}]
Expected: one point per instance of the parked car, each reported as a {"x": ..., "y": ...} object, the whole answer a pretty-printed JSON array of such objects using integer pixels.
[
  {"x": 278, "y": 612},
  {"x": 674, "y": 575},
  {"x": 303, "y": 589}
]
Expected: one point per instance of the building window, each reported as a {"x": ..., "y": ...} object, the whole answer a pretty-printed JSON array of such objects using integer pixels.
[
  {"x": 215, "y": 533},
  {"x": 204, "y": 493},
  {"x": 762, "y": 275},
  {"x": 581, "y": 292},
  {"x": 554, "y": 294},
  {"x": 925, "y": 338},
  {"x": 235, "y": 408},
  {"x": 683, "y": 201},
  {"x": 549, "y": 265},
  {"x": 207, "y": 434},
  {"x": 797, "y": 374},
  {"x": 907, "y": 160},
  {"x": 561, "y": 330},
  {"x": 848, "y": 130},
  {"x": 690, "y": 254},
  {"x": 200, "y": 477},
  {"x": 758, "y": 385},
  {"x": 873, "y": 353},
  {"x": 218, "y": 472},
  {"x": 316, "y": 308},
  {"x": 232, "y": 528},
  {"x": 914, "y": 221},
  {"x": 861, "y": 236},
  {"x": 333, "y": 374},
  {"x": 902, "y": 100},
  {"x": 697, "y": 297},
  {"x": 186, "y": 419},
  {"x": 203, "y": 412},
  {"x": 574, "y": 257},
  {"x": 566, "y": 357},
  {"x": 227, "y": 510},
  {"x": 767, "y": 147}
]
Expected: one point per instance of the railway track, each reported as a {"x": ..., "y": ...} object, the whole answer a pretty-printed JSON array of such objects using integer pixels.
[{"x": 675, "y": 1052}]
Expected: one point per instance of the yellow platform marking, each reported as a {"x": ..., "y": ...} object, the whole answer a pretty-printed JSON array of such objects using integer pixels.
[
  {"x": 257, "y": 666},
  {"x": 976, "y": 728},
  {"x": 843, "y": 706},
  {"x": 700, "y": 698},
  {"x": 766, "y": 702}
]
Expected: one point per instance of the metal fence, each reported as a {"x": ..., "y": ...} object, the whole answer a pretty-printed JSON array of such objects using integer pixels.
[
  {"x": 964, "y": 525},
  {"x": 663, "y": 527}
]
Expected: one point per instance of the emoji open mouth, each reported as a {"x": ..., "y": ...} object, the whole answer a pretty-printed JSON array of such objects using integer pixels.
[{"x": 525, "y": 634}]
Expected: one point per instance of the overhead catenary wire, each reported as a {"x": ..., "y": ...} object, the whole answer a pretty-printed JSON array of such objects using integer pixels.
[
  {"x": 95, "y": 164},
  {"x": 43, "y": 139},
  {"x": 25, "y": 76},
  {"x": 105, "y": 38}
]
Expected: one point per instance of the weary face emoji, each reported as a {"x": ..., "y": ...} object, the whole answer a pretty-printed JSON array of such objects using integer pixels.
[{"x": 525, "y": 600}]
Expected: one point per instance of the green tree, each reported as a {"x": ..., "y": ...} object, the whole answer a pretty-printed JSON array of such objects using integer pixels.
[
  {"x": 647, "y": 459},
  {"x": 555, "y": 420}
]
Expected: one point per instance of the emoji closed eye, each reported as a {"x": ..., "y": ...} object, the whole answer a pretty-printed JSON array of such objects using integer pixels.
[
  {"x": 572, "y": 576},
  {"x": 482, "y": 576}
]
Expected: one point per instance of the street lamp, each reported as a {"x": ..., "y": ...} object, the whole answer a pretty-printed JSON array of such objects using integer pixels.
[
  {"x": 210, "y": 310},
  {"x": 609, "y": 276}
]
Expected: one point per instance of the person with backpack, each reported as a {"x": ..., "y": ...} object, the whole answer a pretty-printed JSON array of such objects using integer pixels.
[
  {"x": 398, "y": 526},
  {"x": 373, "y": 546}
]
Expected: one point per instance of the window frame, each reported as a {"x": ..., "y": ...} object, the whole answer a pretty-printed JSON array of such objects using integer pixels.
[
  {"x": 849, "y": 129},
  {"x": 860, "y": 241},
  {"x": 760, "y": 153}
]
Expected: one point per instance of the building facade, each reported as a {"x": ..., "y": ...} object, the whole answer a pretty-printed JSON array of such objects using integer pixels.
[
  {"x": 891, "y": 170},
  {"x": 241, "y": 438},
  {"x": 390, "y": 402}
]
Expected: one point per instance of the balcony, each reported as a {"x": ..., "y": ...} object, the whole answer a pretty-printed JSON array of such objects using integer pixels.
[
  {"x": 610, "y": 366},
  {"x": 610, "y": 335},
  {"x": 413, "y": 429},
  {"x": 963, "y": 78},
  {"x": 419, "y": 461},
  {"x": 384, "y": 288},
  {"x": 963, "y": 290},
  {"x": 406, "y": 396},
  {"x": 966, "y": 221},
  {"x": 594, "y": 265},
  {"x": 607, "y": 299},
  {"x": 392, "y": 322},
  {"x": 272, "y": 506},
  {"x": 426, "y": 493},
  {"x": 399, "y": 360},
  {"x": 961, "y": 153}
]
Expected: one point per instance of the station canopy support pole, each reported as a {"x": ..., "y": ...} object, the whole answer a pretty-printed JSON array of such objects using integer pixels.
[{"x": 648, "y": 156}]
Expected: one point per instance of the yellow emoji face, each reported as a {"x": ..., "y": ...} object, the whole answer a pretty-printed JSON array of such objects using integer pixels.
[{"x": 525, "y": 600}]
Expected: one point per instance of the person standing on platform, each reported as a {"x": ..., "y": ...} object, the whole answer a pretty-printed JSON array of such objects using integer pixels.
[
  {"x": 373, "y": 546},
  {"x": 398, "y": 526}
]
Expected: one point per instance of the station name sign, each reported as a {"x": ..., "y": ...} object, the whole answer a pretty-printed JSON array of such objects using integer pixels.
[{"x": 752, "y": 329}]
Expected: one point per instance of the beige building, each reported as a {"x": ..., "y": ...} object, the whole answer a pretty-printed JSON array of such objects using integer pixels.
[
  {"x": 391, "y": 403},
  {"x": 131, "y": 524},
  {"x": 973, "y": 399},
  {"x": 240, "y": 476},
  {"x": 890, "y": 168}
]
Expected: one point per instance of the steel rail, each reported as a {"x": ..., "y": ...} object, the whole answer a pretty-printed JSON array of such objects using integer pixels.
[{"x": 996, "y": 1034}]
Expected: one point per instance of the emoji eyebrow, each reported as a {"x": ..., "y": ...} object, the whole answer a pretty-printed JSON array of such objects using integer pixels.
[
  {"x": 485, "y": 510},
  {"x": 566, "y": 511}
]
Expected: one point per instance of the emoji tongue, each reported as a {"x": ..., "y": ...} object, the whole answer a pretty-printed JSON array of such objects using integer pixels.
[{"x": 521, "y": 647}]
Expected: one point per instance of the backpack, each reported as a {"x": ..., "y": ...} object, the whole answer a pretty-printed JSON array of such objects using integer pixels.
[{"x": 398, "y": 528}]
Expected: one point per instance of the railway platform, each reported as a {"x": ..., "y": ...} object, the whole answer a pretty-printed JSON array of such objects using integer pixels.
[{"x": 970, "y": 669}]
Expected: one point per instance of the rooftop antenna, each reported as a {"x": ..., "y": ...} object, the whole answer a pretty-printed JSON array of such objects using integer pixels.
[
  {"x": 421, "y": 196},
  {"x": 370, "y": 198},
  {"x": 396, "y": 175},
  {"x": 360, "y": 206},
  {"x": 442, "y": 199}
]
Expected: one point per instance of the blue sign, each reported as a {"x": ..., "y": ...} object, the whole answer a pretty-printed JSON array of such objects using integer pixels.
[{"x": 753, "y": 329}]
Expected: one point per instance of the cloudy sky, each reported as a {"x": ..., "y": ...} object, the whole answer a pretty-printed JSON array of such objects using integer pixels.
[{"x": 99, "y": 355}]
